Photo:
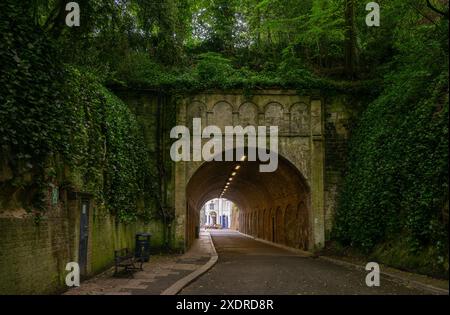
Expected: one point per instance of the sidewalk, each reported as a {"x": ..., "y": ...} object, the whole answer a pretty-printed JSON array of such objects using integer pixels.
[{"x": 159, "y": 275}]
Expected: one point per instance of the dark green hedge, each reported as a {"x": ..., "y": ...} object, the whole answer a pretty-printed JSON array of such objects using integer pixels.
[{"x": 396, "y": 186}]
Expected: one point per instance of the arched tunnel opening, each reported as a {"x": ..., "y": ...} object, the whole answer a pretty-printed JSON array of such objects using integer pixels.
[
  {"x": 218, "y": 213},
  {"x": 274, "y": 206}
]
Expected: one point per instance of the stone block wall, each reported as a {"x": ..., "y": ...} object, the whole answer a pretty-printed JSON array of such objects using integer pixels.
[
  {"x": 340, "y": 115},
  {"x": 33, "y": 255}
]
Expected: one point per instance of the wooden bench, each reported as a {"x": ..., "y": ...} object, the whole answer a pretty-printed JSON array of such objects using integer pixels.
[{"x": 125, "y": 258}]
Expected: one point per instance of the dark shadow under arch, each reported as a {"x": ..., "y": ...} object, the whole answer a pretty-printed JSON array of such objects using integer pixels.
[{"x": 261, "y": 197}]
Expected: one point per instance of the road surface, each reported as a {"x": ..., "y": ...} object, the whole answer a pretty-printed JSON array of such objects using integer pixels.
[{"x": 247, "y": 266}]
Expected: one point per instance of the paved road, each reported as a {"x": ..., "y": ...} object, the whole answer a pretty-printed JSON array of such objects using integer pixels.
[{"x": 247, "y": 266}]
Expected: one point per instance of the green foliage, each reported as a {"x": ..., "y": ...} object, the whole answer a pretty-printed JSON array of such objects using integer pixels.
[
  {"x": 214, "y": 68},
  {"x": 31, "y": 105},
  {"x": 215, "y": 71},
  {"x": 127, "y": 177},
  {"x": 86, "y": 144},
  {"x": 107, "y": 149},
  {"x": 59, "y": 124},
  {"x": 32, "y": 123},
  {"x": 397, "y": 180}
]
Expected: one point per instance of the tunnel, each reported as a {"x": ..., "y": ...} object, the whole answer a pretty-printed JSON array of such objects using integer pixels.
[{"x": 272, "y": 206}]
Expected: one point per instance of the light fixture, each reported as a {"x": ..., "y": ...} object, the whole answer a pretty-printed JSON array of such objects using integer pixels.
[
  {"x": 234, "y": 173},
  {"x": 243, "y": 158},
  {"x": 230, "y": 179},
  {"x": 237, "y": 167}
]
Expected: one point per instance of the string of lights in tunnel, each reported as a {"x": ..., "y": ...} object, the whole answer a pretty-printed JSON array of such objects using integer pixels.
[{"x": 230, "y": 179}]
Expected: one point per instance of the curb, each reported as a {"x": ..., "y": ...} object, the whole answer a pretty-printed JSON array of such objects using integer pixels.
[
  {"x": 293, "y": 250},
  {"x": 393, "y": 277},
  {"x": 175, "y": 288}
]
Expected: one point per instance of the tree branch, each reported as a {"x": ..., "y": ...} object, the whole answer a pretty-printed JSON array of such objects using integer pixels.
[{"x": 429, "y": 5}]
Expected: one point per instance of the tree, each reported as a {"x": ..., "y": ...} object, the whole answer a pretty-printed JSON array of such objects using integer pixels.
[{"x": 350, "y": 48}]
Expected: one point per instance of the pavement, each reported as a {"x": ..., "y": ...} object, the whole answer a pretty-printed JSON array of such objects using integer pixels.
[
  {"x": 248, "y": 266},
  {"x": 160, "y": 274},
  {"x": 226, "y": 262}
]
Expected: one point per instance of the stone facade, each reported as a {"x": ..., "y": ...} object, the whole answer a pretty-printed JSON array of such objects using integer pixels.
[{"x": 301, "y": 144}]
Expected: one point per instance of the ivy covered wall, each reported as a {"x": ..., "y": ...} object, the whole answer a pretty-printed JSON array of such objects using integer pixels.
[
  {"x": 394, "y": 201},
  {"x": 64, "y": 134}
]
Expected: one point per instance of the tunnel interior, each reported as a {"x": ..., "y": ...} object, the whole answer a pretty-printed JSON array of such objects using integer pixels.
[{"x": 272, "y": 206}]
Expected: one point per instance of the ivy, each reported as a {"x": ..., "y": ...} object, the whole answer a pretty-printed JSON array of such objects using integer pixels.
[
  {"x": 215, "y": 71},
  {"x": 30, "y": 98},
  {"x": 128, "y": 179},
  {"x": 397, "y": 180},
  {"x": 107, "y": 152},
  {"x": 58, "y": 124}
]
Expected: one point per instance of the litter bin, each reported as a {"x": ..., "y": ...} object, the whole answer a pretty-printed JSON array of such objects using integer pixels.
[
  {"x": 197, "y": 232},
  {"x": 143, "y": 246}
]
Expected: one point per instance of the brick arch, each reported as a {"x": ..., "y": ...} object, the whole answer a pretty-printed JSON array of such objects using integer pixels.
[
  {"x": 260, "y": 232},
  {"x": 303, "y": 225},
  {"x": 290, "y": 226},
  {"x": 279, "y": 221}
]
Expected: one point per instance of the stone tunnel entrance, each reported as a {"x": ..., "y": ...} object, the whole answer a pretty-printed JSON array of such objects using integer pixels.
[
  {"x": 272, "y": 206},
  {"x": 286, "y": 206}
]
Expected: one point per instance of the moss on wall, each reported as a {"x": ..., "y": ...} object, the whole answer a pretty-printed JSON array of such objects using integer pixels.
[
  {"x": 108, "y": 234},
  {"x": 33, "y": 256}
]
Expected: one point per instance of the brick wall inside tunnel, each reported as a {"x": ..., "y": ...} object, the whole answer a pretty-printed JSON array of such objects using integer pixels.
[
  {"x": 286, "y": 224},
  {"x": 272, "y": 206}
]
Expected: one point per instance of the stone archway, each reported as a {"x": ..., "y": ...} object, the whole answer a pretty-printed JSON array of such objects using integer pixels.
[{"x": 296, "y": 194}]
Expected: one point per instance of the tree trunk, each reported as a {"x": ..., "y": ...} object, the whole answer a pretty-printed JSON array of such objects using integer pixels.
[{"x": 350, "y": 49}]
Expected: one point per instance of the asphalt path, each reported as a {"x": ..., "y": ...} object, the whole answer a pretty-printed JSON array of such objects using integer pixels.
[{"x": 247, "y": 266}]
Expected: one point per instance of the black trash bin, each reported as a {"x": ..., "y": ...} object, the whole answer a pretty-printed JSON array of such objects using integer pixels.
[
  {"x": 197, "y": 232},
  {"x": 143, "y": 246}
]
